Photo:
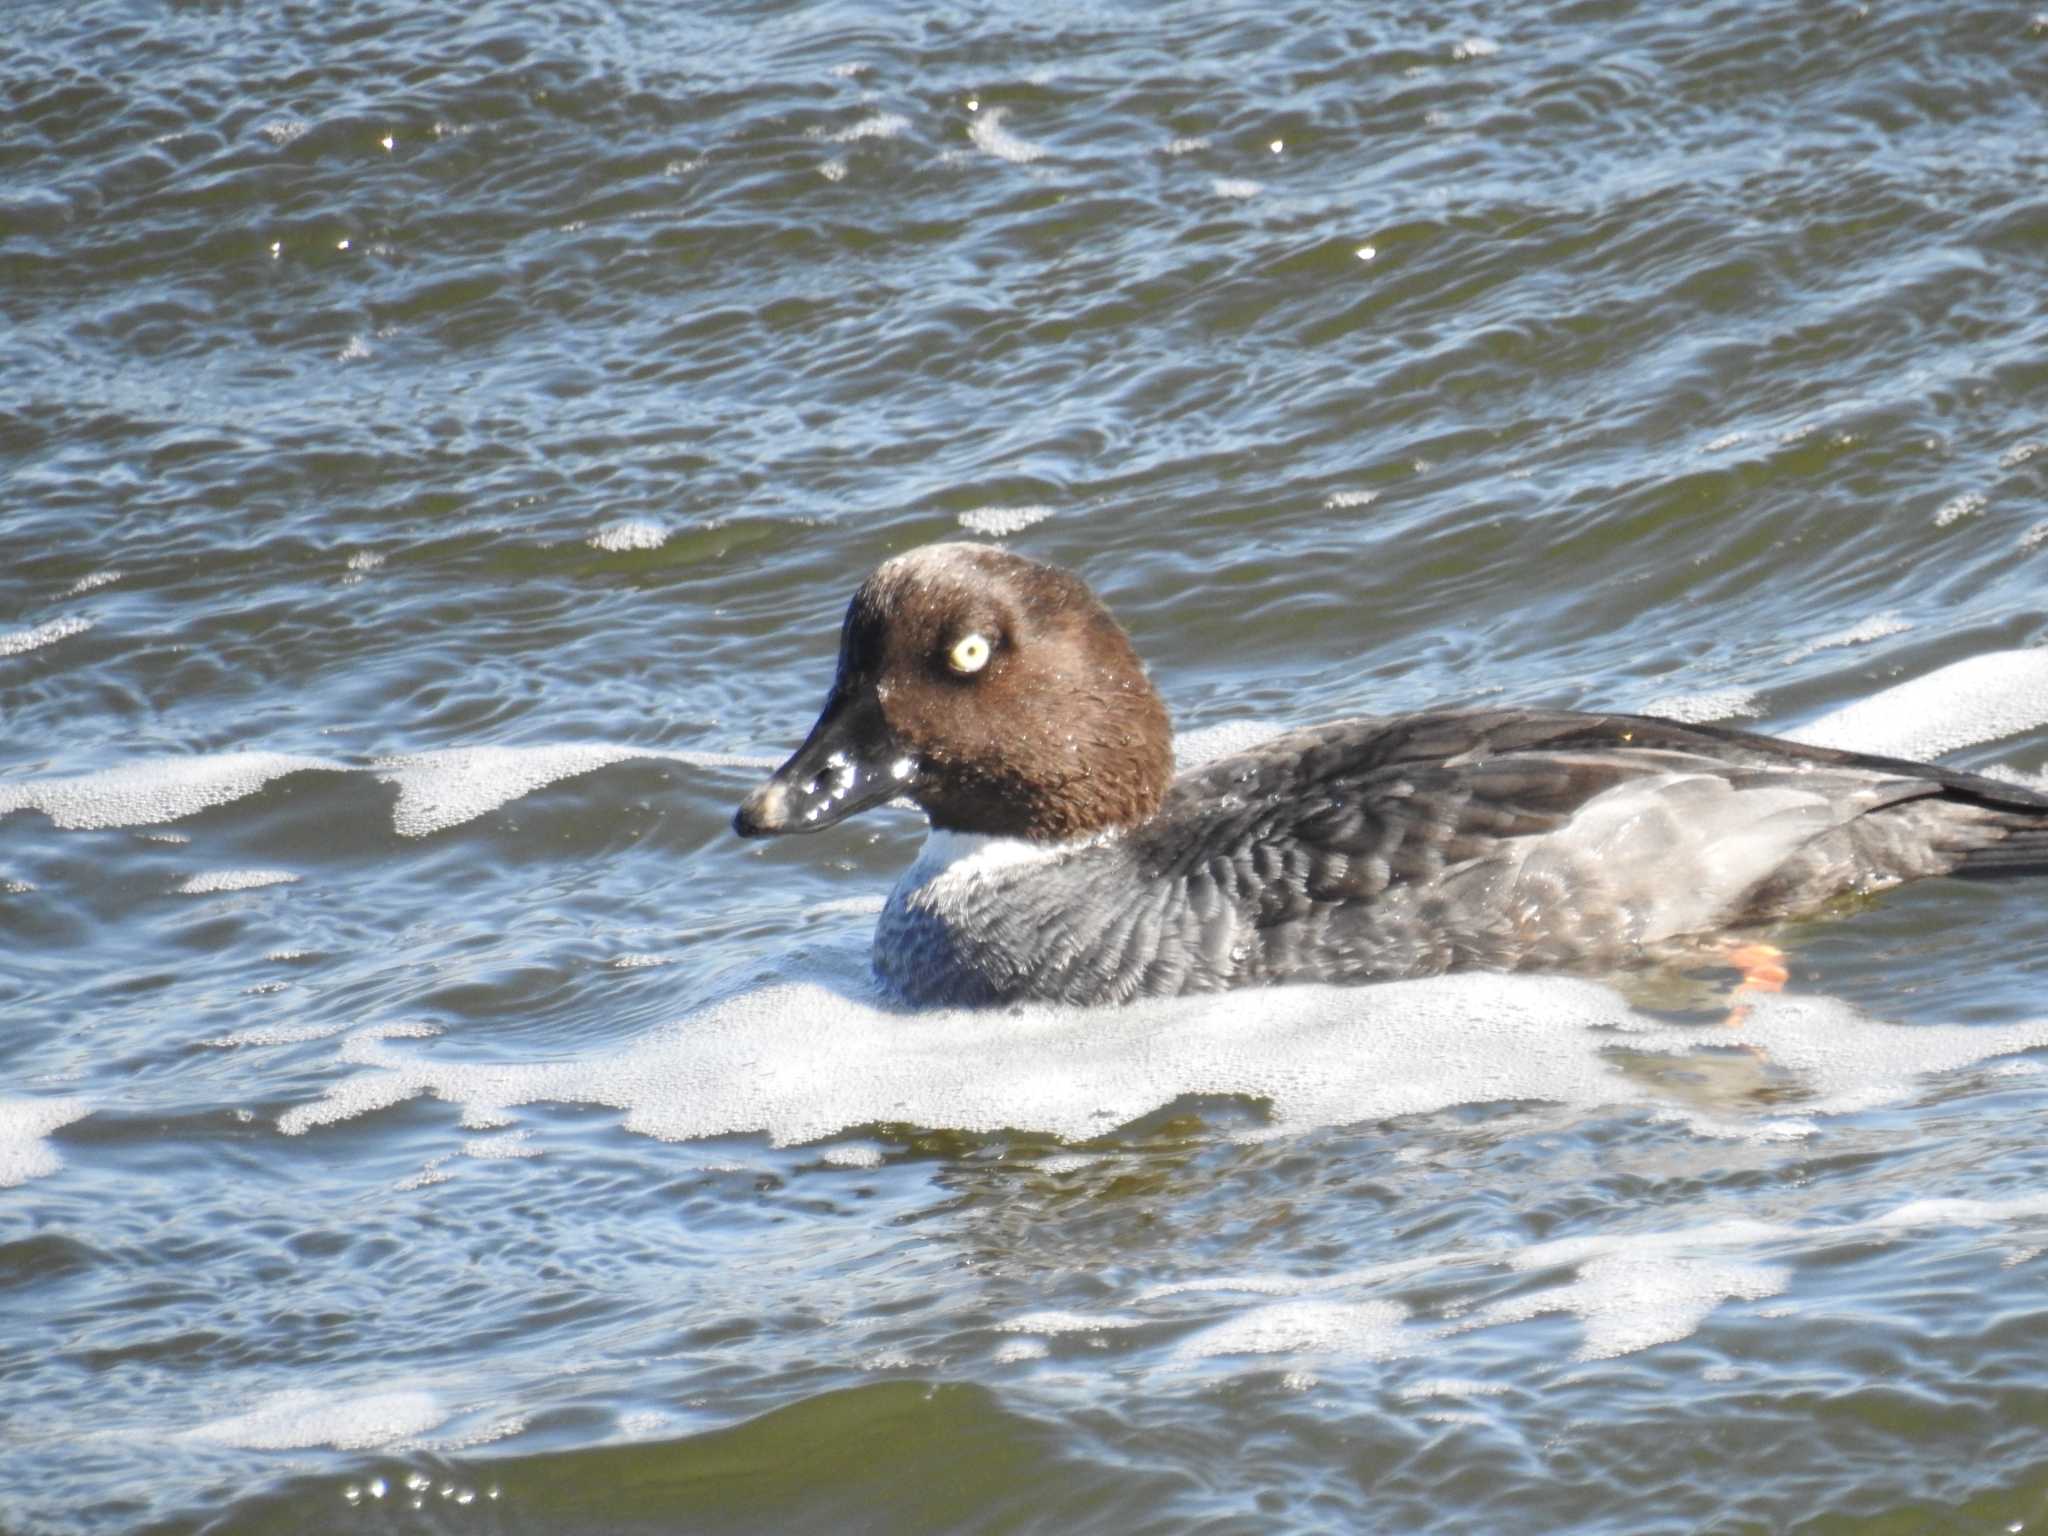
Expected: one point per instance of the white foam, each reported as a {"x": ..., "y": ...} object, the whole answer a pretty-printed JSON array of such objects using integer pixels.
[
  {"x": 214, "y": 881},
  {"x": 1980, "y": 698},
  {"x": 1716, "y": 704},
  {"x": 801, "y": 1062},
  {"x": 1011, "y": 1351},
  {"x": 438, "y": 790},
  {"x": 628, "y": 534},
  {"x": 883, "y": 125},
  {"x": 1000, "y": 522},
  {"x": 93, "y": 582},
  {"x": 303, "y": 1418},
  {"x": 2038, "y": 782},
  {"x": 1338, "y": 501},
  {"x": 1626, "y": 1301},
  {"x": 854, "y": 1154},
  {"x": 1475, "y": 48},
  {"x": 16, "y": 642},
  {"x": 989, "y": 134},
  {"x": 1956, "y": 508},
  {"x": 1961, "y": 1212},
  {"x": 275, "y": 1034},
  {"x": 1358, "y": 1330},
  {"x": 1237, "y": 188},
  {"x": 1068, "y": 1322},
  {"x": 488, "y": 1149},
  {"x": 144, "y": 793},
  {"x": 1451, "y": 1387},
  {"x": 1629, "y": 1290},
  {"x": 1877, "y": 627},
  {"x": 1193, "y": 748},
  {"x": 24, "y": 1154}
]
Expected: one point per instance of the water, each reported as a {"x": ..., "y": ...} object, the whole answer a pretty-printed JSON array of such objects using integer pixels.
[{"x": 435, "y": 446}]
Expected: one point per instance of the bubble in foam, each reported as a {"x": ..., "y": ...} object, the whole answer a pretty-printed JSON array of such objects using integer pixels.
[
  {"x": 274, "y": 1034},
  {"x": 154, "y": 792},
  {"x": 854, "y": 1154},
  {"x": 1980, "y": 698},
  {"x": 16, "y": 642},
  {"x": 1695, "y": 708},
  {"x": 628, "y": 534},
  {"x": 1956, "y": 508},
  {"x": 1878, "y": 626},
  {"x": 439, "y": 790},
  {"x": 989, "y": 134},
  {"x": 882, "y": 125},
  {"x": 215, "y": 881},
  {"x": 1630, "y": 1301},
  {"x": 303, "y": 1418},
  {"x": 1359, "y": 1330},
  {"x": 24, "y": 1154},
  {"x": 496, "y": 1148},
  {"x": 1000, "y": 522},
  {"x": 1961, "y": 1212},
  {"x": 1193, "y": 748},
  {"x": 1068, "y": 1322},
  {"x": 1452, "y": 1387},
  {"x": 635, "y": 961},
  {"x": 802, "y": 1062}
]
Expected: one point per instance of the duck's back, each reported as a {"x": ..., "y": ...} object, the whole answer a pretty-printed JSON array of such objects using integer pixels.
[{"x": 1376, "y": 849}]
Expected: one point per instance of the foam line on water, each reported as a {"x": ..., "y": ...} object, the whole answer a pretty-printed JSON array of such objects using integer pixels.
[
  {"x": 801, "y": 1062},
  {"x": 989, "y": 134},
  {"x": 24, "y": 1123},
  {"x": 303, "y": 1418},
  {"x": 1981, "y": 698},
  {"x": 1352, "y": 1330},
  {"x": 215, "y": 881},
  {"x": 167, "y": 789},
  {"x": 1629, "y": 1291},
  {"x": 436, "y": 790},
  {"x": 19, "y": 642}
]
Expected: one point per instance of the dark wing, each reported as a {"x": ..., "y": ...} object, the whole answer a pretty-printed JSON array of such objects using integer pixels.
[{"x": 1515, "y": 838}]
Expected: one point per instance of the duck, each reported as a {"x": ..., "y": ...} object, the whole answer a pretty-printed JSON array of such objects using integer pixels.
[{"x": 1066, "y": 863}]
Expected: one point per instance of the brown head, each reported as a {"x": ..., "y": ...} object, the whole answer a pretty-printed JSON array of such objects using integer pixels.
[{"x": 996, "y": 692}]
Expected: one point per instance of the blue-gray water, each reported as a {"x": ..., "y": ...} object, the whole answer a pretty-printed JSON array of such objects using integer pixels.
[{"x": 435, "y": 445}]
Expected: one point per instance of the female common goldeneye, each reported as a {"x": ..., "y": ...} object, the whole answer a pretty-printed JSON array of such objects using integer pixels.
[{"x": 1066, "y": 863}]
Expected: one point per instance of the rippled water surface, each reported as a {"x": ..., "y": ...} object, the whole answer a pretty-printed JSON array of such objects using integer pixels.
[{"x": 435, "y": 446}]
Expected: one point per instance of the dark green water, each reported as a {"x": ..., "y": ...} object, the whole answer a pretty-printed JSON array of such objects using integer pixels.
[{"x": 435, "y": 446}]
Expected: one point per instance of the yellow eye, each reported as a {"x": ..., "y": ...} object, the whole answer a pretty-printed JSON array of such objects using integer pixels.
[{"x": 969, "y": 654}]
